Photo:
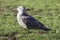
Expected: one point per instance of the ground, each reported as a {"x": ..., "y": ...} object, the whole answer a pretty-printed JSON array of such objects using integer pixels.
[{"x": 46, "y": 11}]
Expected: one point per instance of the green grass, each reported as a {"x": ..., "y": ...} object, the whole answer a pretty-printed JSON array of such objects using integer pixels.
[{"x": 46, "y": 11}]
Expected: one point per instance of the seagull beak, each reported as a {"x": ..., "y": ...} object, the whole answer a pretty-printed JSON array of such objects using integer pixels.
[{"x": 14, "y": 9}]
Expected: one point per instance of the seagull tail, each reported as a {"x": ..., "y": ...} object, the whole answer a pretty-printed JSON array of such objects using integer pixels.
[{"x": 46, "y": 29}]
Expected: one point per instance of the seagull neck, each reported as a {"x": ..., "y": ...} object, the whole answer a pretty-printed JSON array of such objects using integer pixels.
[{"x": 20, "y": 12}]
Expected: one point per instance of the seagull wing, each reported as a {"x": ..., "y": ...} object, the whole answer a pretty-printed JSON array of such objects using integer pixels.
[{"x": 32, "y": 23}]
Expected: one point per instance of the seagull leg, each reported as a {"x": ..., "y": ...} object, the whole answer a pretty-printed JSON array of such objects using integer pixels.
[
  {"x": 27, "y": 38},
  {"x": 28, "y": 34}
]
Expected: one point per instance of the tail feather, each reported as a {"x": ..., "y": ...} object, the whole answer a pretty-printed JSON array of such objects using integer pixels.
[
  {"x": 43, "y": 27},
  {"x": 46, "y": 29}
]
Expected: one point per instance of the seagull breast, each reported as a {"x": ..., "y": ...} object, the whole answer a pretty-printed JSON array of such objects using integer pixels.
[{"x": 20, "y": 20}]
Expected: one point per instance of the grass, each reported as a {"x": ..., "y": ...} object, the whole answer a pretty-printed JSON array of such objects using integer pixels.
[{"x": 46, "y": 11}]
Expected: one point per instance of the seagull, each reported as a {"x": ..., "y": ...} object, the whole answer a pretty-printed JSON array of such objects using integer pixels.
[{"x": 27, "y": 21}]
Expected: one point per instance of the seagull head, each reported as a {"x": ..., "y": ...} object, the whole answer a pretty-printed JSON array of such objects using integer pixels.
[{"x": 20, "y": 9}]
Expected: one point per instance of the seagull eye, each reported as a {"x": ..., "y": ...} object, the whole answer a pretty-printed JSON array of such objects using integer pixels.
[{"x": 20, "y": 8}]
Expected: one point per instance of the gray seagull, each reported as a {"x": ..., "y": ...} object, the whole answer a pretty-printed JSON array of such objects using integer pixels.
[{"x": 27, "y": 21}]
